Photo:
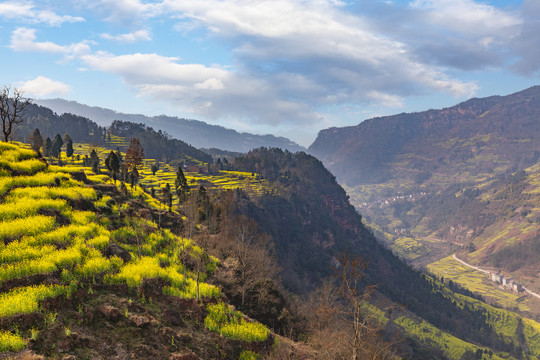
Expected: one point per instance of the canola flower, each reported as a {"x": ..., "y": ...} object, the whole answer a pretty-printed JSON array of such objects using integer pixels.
[
  {"x": 24, "y": 207},
  {"x": 66, "y": 234},
  {"x": 30, "y": 166},
  {"x": 43, "y": 265},
  {"x": 94, "y": 266},
  {"x": 17, "y": 154},
  {"x": 45, "y": 192},
  {"x": 27, "y": 226},
  {"x": 11, "y": 342},
  {"x": 189, "y": 290},
  {"x": 20, "y": 250},
  {"x": 249, "y": 355},
  {"x": 39, "y": 179},
  {"x": 231, "y": 324},
  {"x": 25, "y": 300}
]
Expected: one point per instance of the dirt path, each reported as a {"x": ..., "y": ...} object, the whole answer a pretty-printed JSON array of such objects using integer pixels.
[{"x": 488, "y": 272}]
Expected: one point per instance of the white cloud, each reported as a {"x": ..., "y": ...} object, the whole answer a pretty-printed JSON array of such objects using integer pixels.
[
  {"x": 125, "y": 11},
  {"x": 386, "y": 100},
  {"x": 43, "y": 86},
  {"x": 139, "y": 35},
  {"x": 470, "y": 17},
  {"x": 339, "y": 52},
  {"x": 23, "y": 39},
  {"x": 26, "y": 11},
  {"x": 214, "y": 92}
]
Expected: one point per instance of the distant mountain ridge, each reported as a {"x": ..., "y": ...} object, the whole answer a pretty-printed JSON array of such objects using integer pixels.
[
  {"x": 195, "y": 132},
  {"x": 497, "y": 128}
]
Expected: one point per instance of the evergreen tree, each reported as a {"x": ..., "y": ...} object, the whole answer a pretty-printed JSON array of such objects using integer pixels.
[
  {"x": 36, "y": 140},
  {"x": 56, "y": 148},
  {"x": 113, "y": 164},
  {"x": 94, "y": 161},
  {"x": 166, "y": 196},
  {"x": 182, "y": 187},
  {"x": 47, "y": 147},
  {"x": 203, "y": 204},
  {"x": 69, "y": 145},
  {"x": 133, "y": 177},
  {"x": 119, "y": 155}
]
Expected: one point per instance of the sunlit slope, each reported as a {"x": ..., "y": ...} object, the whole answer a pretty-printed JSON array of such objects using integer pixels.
[{"x": 54, "y": 240}]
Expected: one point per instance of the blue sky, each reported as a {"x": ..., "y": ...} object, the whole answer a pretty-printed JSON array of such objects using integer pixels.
[{"x": 286, "y": 67}]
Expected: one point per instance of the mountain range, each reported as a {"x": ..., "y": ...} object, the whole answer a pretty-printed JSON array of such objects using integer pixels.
[{"x": 195, "y": 132}]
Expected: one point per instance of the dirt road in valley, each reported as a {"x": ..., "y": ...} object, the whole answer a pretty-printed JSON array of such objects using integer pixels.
[{"x": 489, "y": 272}]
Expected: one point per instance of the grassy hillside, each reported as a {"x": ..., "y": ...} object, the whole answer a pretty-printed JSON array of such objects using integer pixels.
[{"x": 82, "y": 273}]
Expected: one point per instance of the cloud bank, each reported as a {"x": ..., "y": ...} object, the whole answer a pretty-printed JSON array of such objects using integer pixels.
[{"x": 294, "y": 59}]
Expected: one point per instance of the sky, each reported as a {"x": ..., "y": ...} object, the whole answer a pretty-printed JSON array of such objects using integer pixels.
[{"x": 284, "y": 67}]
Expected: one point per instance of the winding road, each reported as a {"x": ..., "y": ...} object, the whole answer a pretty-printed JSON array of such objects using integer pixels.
[{"x": 489, "y": 272}]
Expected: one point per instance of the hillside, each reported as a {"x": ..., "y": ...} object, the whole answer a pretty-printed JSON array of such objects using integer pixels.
[
  {"x": 87, "y": 272},
  {"x": 292, "y": 198},
  {"x": 312, "y": 215},
  {"x": 462, "y": 179},
  {"x": 194, "y": 132}
]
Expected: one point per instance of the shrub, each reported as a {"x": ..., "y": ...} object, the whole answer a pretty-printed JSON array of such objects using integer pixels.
[
  {"x": 230, "y": 324},
  {"x": 249, "y": 355},
  {"x": 25, "y": 300},
  {"x": 11, "y": 342}
]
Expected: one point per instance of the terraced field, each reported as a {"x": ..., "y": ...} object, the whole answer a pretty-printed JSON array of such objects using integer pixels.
[{"x": 53, "y": 242}]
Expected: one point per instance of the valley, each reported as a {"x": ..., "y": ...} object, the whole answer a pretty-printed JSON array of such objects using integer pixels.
[
  {"x": 185, "y": 242},
  {"x": 452, "y": 184}
]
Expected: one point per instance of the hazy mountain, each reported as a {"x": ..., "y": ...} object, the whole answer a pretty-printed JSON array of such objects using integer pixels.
[
  {"x": 476, "y": 136},
  {"x": 195, "y": 132}
]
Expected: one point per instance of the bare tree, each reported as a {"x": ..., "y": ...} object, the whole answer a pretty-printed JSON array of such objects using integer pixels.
[
  {"x": 11, "y": 109},
  {"x": 250, "y": 251},
  {"x": 345, "y": 325},
  {"x": 134, "y": 154}
]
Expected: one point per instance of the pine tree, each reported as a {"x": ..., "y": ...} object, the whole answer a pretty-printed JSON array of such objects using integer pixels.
[
  {"x": 166, "y": 196},
  {"x": 47, "y": 148},
  {"x": 36, "y": 140},
  {"x": 69, "y": 145},
  {"x": 133, "y": 177},
  {"x": 113, "y": 164},
  {"x": 56, "y": 148},
  {"x": 94, "y": 161},
  {"x": 182, "y": 187}
]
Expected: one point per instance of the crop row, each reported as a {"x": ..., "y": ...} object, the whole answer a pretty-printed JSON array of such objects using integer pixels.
[
  {"x": 25, "y": 300},
  {"x": 24, "y": 207},
  {"x": 40, "y": 179}
]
